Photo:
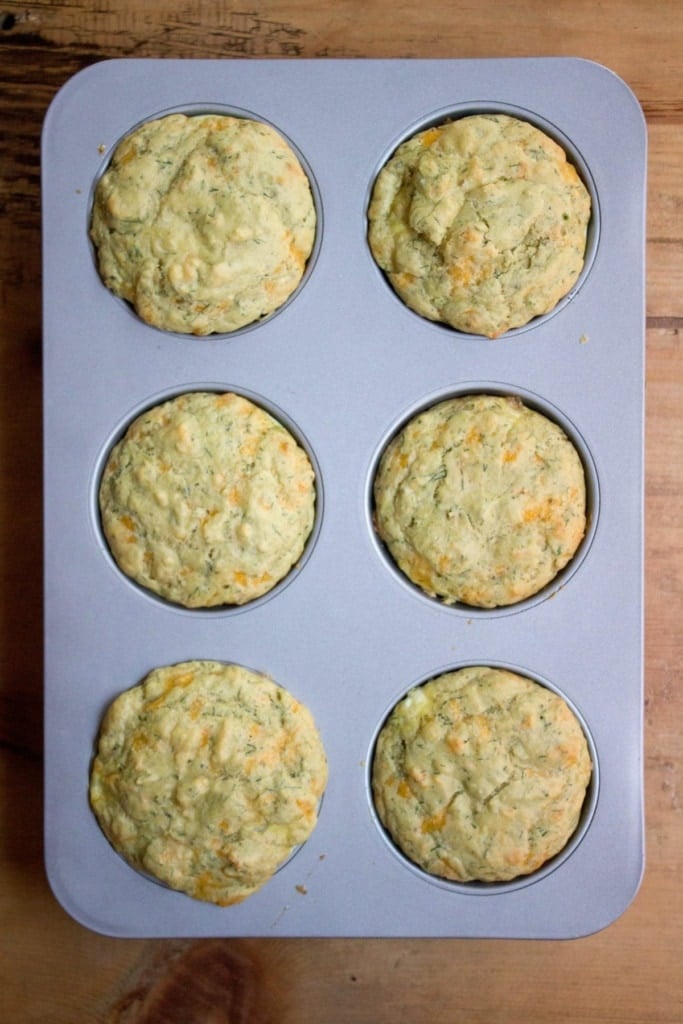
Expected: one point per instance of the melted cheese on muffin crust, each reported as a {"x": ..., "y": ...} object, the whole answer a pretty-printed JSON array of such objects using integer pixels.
[
  {"x": 203, "y": 223},
  {"x": 480, "y": 223},
  {"x": 481, "y": 774},
  {"x": 206, "y": 777},
  {"x": 207, "y": 500},
  {"x": 481, "y": 500}
]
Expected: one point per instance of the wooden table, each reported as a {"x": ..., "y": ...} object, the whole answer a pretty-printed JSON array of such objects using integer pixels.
[{"x": 52, "y": 969}]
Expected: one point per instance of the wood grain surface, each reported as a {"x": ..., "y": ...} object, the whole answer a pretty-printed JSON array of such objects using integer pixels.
[{"x": 52, "y": 970}]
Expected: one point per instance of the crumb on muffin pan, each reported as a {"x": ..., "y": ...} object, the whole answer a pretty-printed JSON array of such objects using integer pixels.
[{"x": 343, "y": 424}]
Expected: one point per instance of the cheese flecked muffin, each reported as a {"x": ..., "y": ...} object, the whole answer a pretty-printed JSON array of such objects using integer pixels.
[
  {"x": 207, "y": 776},
  {"x": 480, "y": 223},
  {"x": 207, "y": 500},
  {"x": 481, "y": 775},
  {"x": 480, "y": 500},
  {"x": 203, "y": 223}
]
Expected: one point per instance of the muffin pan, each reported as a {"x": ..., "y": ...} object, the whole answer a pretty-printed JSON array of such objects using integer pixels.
[{"x": 343, "y": 364}]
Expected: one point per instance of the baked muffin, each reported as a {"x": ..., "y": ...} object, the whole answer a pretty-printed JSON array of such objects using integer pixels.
[
  {"x": 480, "y": 223},
  {"x": 204, "y": 223},
  {"x": 481, "y": 774},
  {"x": 480, "y": 500},
  {"x": 207, "y": 776},
  {"x": 207, "y": 500}
]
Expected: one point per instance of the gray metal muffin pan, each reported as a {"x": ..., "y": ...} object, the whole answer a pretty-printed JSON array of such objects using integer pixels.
[{"x": 344, "y": 363}]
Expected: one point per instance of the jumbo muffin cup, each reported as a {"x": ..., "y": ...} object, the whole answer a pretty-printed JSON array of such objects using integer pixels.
[
  {"x": 210, "y": 512},
  {"x": 204, "y": 232},
  {"x": 343, "y": 365},
  {"x": 410, "y": 841},
  {"x": 515, "y": 230},
  {"x": 208, "y": 777},
  {"x": 421, "y": 582}
]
